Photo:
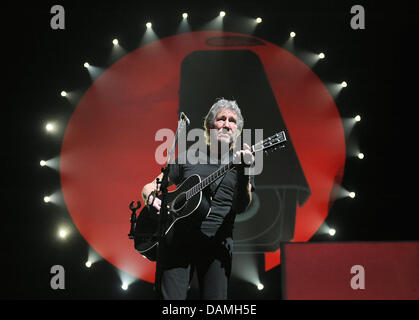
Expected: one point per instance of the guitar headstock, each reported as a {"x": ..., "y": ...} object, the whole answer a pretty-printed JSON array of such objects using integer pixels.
[{"x": 273, "y": 143}]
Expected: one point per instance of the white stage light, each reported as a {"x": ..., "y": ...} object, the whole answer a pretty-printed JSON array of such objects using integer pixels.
[
  {"x": 115, "y": 42},
  {"x": 332, "y": 232},
  {"x": 47, "y": 199},
  {"x": 126, "y": 279},
  {"x": 49, "y": 127},
  {"x": 260, "y": 286},
  {"x": 344, "y": 84},
  {"x": 43, "y": 163},
  {"x": 352, "y": 195},
  {"x": 63, "y": 94},
  {"x": 62, "y": 233},
  {"x": 292, "y": 34},
  {"x": 321, "y": 55},
  {"x": 222, "y": 13},
  {"x": 184, "y": 15},
  {"x": 258, "y": 20},
  {"x": 148, "y": 25}
]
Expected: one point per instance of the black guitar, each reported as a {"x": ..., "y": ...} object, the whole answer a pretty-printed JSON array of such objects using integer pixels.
[{"x": 185, "y": 200}]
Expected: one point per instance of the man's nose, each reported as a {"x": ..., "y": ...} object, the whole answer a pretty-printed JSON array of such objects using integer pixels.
[{"x": 227, "y": 124}]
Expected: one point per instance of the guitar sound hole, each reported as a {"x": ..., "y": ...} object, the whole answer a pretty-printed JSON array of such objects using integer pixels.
[{"x": 179, "y": 202}]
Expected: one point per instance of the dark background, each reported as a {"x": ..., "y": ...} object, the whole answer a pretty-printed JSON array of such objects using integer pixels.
[{"x": 379, "y": 63}]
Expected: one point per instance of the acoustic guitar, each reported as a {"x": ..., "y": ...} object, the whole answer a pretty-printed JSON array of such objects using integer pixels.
[{"x": 188, "y": 199}]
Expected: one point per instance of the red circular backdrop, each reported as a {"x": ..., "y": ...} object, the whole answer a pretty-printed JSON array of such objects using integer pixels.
[{"x": 109, "y": 144}]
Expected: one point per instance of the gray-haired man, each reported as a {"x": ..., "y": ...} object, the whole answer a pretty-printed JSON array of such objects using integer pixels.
[{"x": 205, "y": 245}]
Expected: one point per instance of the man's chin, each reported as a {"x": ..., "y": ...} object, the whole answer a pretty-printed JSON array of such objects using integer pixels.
[{"x": 225, "y": 139}]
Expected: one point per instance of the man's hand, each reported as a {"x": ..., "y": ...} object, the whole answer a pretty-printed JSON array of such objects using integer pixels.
[
  {"x": 149, "y": 194},
  {"x": 243, "y": 196},
  {"x": 154, "y": 202},
  {"x": 244, "y": 157}
]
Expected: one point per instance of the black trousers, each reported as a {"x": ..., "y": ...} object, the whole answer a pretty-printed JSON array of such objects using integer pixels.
[{"x": 208, "y": 256}]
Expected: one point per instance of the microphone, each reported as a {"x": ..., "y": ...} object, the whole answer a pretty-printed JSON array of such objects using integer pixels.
[{"x": 184, "y": 117}]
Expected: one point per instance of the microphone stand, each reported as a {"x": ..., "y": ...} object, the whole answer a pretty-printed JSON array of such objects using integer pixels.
[{"x": 164, "y": 183}]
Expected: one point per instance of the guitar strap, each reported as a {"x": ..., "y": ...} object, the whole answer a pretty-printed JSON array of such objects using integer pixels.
[{"x": 216, "y": 184}]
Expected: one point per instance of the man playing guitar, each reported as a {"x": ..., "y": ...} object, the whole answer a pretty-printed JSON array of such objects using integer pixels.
[{"x": 202, "y": 242}]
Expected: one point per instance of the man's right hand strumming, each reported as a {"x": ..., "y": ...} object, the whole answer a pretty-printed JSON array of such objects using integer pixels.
[{"x": 149, "y": 194}]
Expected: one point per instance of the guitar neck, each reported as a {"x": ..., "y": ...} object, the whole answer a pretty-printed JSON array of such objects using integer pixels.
[
  {"x": 210, "y": 179},
  {"x": 276, "y": 141}
]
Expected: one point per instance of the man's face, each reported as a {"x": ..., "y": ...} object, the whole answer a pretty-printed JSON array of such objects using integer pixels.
[{"x": 225, "y": 126}]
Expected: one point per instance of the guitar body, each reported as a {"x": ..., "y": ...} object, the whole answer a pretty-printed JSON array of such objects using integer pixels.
[{"x": 146, "y": 226}]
